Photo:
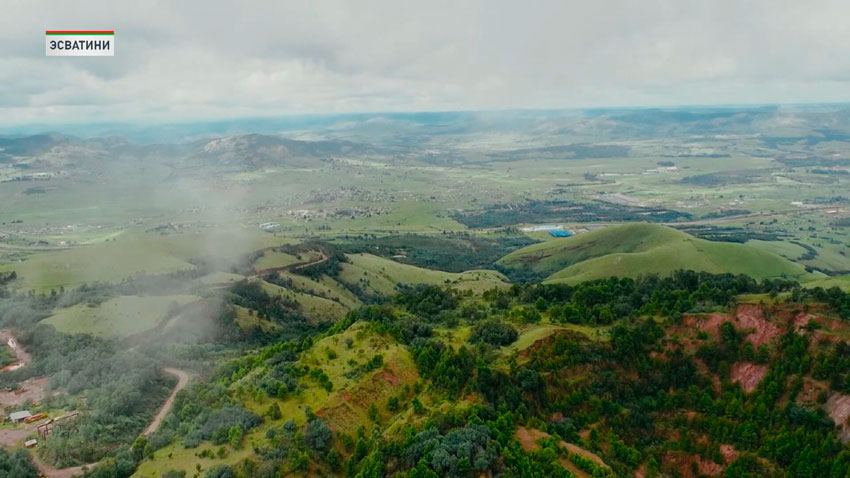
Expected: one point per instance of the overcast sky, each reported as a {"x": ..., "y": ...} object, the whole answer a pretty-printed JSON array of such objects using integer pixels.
[{"x": 189, "y": 60}]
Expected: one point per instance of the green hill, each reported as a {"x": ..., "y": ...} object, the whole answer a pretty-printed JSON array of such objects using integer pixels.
[
  {"x": 634, "y": 249},
  {"x": 842, "y": 282}
]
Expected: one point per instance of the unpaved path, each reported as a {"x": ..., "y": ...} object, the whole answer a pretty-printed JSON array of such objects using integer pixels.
[
  {"x": 50, "y": 472},
  {"x": 182, "y": 379},
  {"x": 296, "y": 266},
  {"x": 8, "y": 340}
]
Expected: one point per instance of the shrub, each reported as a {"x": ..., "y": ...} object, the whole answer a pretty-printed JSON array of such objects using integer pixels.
[{"x": 494, "y": 333}]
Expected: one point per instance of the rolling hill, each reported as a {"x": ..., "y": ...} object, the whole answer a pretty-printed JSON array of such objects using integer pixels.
[{"x": 634, "y": 249}]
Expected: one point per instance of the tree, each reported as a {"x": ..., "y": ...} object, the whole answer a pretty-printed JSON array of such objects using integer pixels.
[
  {"x": 234, "y": 436},
  {"x": 493, "y": 333},
  {"x": 318, "y": 436},
  {"x": 16, "y": 464},
  {"x": 273, "y": 411}
]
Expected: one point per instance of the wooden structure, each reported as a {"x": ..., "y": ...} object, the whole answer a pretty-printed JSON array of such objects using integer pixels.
[{"x": 46, "y": 429}]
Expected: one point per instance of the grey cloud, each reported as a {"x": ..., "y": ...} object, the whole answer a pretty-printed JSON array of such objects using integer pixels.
[{"x": 192, "y": 59}]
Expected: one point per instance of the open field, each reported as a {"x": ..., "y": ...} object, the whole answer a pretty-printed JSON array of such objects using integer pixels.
[
  {"x": 382, "y": 275},
  {"x": 133, "y": 254},
  {"x": 118, "y": 317}
]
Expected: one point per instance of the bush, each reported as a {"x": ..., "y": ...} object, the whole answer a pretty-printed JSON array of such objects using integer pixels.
[
  {"x": 16, "y": 464},
  {"x": 220, "y": 471},
  {"x": 318, "y": 436},
  {"x": 217, "y": 424},
  {"x": 494, "y": 333}
]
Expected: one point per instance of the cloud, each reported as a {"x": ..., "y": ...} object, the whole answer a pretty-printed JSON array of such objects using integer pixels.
[{"x": 194, "y": 60}]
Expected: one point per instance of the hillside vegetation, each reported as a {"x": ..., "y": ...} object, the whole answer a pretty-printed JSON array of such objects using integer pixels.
[
  {"x": 634, "y": 249},
  {"x": 609, "y": 378}
]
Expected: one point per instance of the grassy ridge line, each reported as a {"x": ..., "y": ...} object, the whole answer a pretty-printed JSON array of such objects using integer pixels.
[
  {"x": 842, "y": 282},
  {"x": 635, "y": 249},
  {"x": 380, "y": 276}
]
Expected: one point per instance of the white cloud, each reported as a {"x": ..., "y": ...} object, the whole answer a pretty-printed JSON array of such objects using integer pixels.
[{"x": 198, "y": 60}]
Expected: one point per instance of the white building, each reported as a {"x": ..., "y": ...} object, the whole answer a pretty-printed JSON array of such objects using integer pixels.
[{"x": 16, "y": 417}]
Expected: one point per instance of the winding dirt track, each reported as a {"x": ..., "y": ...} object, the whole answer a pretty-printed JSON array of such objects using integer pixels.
[
  {"x": 296, "y": 266},
  {"x": 182, "y": 379},
  {"x": 51, "y": 472},
  {"x": 23, "y": 357}
]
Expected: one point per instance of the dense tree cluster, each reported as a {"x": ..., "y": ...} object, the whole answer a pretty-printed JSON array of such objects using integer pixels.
[
  {"x": 439, "y": 252},
  {"x": 16, "y": 464},
  {"x": 493, "y": 333}
]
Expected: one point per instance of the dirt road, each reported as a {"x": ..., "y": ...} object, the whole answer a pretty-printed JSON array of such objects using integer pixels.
[
  {"x": 51, "y": 472},
  {"x": 8, "y": 340},
  {"x": 297, "y": 266},
  {"x": 182, "y": 379}
]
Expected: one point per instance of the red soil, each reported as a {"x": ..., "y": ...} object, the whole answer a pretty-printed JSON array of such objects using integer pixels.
[
  {"x": 749, "y": 375},
  {"x": 802, "y": 320},
  {"x": 748, "y": 318},
  {"x": 528, "y": 437},
  {"x": 751, "y": 317},
  {"x": 838, "y": 407},
  {"x": 390, "y": 378},
  {"x": 683, "y": 464},
  {"x": 729, "y": 453}
]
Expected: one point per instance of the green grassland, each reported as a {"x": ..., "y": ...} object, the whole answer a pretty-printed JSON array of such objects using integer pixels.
[
  {"x": 118, "y": 317},
  {"x": 345, "y": 407},
  {"x": 314, "y": 307},
  {"x": 329, "y": 298},
  {"x": 842, "y": 282},
  {"x": 381, "y": 276},
  {"x": 634, "y": 249},
  {"x": 132, "y": 254},
  {"x": 176, "y": 457}
]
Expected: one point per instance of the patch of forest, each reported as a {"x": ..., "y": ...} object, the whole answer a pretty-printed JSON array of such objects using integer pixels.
[
  {"x": 732, "y": 233},
  {"x": 726, "y": 178},
  {"x": 536, "y": 211},
  {"x": 450, "y": 252}
]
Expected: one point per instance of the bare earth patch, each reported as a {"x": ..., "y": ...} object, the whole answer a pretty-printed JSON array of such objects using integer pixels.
[
  {"x": 8, "y": 340},
  {"x": 802, "y": 320},
  {"x": 31, "y": 389},
  {"x": 747, "y": 317},
  {"x": 752, "y": 317},
  {"x": 528, "y": 438},
  {"x": 683, "y": 464},
  {"x": 838, "y": 408},
  {"x": 749, "y": 375},
  {"x": 729, "y": 453}
]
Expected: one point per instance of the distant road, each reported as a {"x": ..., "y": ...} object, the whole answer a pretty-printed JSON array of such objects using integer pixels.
[
  {"x": 182, "y": 379},
  {"x": 297, "y": 266}
]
